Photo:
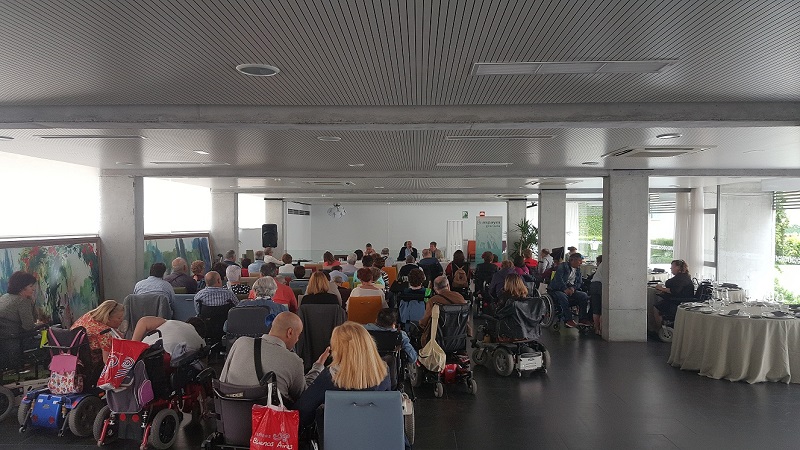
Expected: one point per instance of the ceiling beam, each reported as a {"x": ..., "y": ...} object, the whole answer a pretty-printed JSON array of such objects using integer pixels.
[{"x": 457, "y": 117}]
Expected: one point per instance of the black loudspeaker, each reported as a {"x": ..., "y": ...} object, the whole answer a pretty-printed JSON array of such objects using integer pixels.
[{"x": 269, "y": 235}]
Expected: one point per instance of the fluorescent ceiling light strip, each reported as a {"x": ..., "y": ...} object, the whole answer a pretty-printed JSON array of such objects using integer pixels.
[
  {"x": 190, "y": 163},
  {"x": 485, "y": 164},
  {"x": 89, "y": 136},
  {"x": 565, "y": 67},
  {"x": 487, "y": 138}
]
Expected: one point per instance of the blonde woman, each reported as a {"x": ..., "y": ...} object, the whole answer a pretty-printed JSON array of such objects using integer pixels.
[
  {"x": 356, "y": 366},
  {"x": 318, "y": 293},
  {"x": 108, "y": 315}
]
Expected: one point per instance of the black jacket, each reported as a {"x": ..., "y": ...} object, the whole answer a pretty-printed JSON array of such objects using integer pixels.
[{"x": 401, "y": 257}]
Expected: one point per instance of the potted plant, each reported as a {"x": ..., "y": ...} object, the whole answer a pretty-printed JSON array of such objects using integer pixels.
[{"x": 528, "y": 238}]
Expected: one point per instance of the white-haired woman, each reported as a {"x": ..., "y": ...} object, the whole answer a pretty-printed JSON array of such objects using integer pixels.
[
  {"x": 264, "y": 288},
  {"x": 234, "y": 276}
]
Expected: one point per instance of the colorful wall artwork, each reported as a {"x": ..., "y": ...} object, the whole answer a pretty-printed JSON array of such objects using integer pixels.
[
  {"x": 165, "y": 249},
  {"x": 68, "y": 274}
]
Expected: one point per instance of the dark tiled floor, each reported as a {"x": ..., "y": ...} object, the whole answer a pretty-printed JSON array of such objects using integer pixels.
[{"x": 597, "y": 395}]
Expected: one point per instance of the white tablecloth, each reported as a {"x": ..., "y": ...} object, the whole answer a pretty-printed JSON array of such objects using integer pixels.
[{"x": 737, "y": 348}]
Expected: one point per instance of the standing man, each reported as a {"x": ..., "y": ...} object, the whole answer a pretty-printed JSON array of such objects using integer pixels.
[
  {"x": 179, "y": 276},
  {"x": 408, "y": 249},
  {"x": 565, "y": 288}
]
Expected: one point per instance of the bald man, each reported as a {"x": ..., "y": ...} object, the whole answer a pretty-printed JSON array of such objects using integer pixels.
[
  {"x": 214, "y": 294},
  {"x": 276, "y": 356},
  {"x": 180, "y": 276}
]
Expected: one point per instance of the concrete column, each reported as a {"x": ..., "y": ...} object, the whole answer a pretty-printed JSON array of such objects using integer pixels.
[
  {"x": 745, "y": 237},
  {"x": 275, "y": 210},
  {"x": 625, "y": 216},
  {"x": 694, "y": 256},
  {"x": 121, "y": 234},
  {"x": 552, "y": 218},
  {"x": 224, "y": 222},
  {"x": 514, "y": 215}
]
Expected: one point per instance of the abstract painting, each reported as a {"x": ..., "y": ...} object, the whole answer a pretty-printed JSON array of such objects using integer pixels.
[{"x": 165, "y": 249}]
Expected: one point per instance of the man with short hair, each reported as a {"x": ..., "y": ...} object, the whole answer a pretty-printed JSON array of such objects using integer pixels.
[
  {"x": 406, "y": 250},
  {"x": 435, "y": 252},
  {"x": 287, "y": 266},
  {"x": 214, "y": 294},
  {"x": 407, "y": 267},
  {"x": 350, "y": 268},
  {"x": 565, "y": 289},
  {"x": 388, "y": 260},
  {"x": 368, "y": 250},
  {"x": 155, "y": 283},
  {"x": 256, "y": 265},
  {"x": 430, "y": 265},
  {"x": 179, "y": 276},
  {"x": 387, "y": 321},
  {"x": 230, "y": 258},
  {"x": 444, "y": 296},
  {"x": 336, "y": 271},
  {"x": 276, "y": 356},
  {"x": 284, "y": 295}
]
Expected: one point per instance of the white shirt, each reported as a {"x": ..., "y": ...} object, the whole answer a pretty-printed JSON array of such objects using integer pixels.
[
  {"x": 571, "y": 277},
  {"x": 286, "y": 268},
  {"x": 598, "y": 274},
  {"x": 174, "y": 334},
  {"x": 271, "y": 259}
]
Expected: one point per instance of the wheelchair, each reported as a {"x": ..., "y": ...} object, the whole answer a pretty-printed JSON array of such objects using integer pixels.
[
  {"x": 19, "y": 354},
  {"x": 390, "y": 348},
  {"x": 552, "y": 317}
]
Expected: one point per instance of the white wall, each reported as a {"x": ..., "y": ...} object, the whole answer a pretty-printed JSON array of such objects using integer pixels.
[
  {"x": 298, "y": 232},
  {"x": 388, "y": 225}
]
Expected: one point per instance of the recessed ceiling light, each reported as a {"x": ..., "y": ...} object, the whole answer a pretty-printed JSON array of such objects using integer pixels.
[
  {"x": 669, "y": 136},
  {"x": 89, "y": 136},
  {"x": 474, "y": 164},
  {"x": 380, "y": 187},
  {"x": 492, "y": 138},
  {"x": 329, "y": 138},
  {"x": 356, "y": 165},
  {"x": 123, "y": 163},
  {"x": 590, "y": 163},
  {"x": 201, "y": 152},
  {"x": 276, "y": 179},
  {"x": 674, "y": 185},
  {"x": 257, "y": 70},
  {"x": 6, "y": 138}
]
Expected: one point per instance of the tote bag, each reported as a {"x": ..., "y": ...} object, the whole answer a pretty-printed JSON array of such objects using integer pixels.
[
  {"x": 432, "y": 357},
  {"x": 274, "y": 426}
]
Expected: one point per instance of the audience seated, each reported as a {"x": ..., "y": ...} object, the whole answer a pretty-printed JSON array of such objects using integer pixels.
[
  {"x": 416, "y": 278},
  {"x": 221, "y": 269},
  {"x": 198, "y": 273},
  {"x": 499, "y": 278},
  {"x": 407, "y": 267},
  {"x": 367, "y": 288},
  {"x": 513, "y": 289},
  {"x": 269, "y": 258},
  {"x": 349, "y": 267},
  {"x": 108, "y": 315},
  {"x": 435, "y": 252},
  {"x": 430, "y": 265},
  {"x": 675, "y": 290},
  {"x": 530, "y": 262},
  {"x": 356, "y": 366},
  {"x": 264, "y": 290},
  {"x": 484, "y": 271},
  {"x": 387, "y": 321},
  {"x": 336, "y": 271},
  {"x": 565, "y": 289},
  {"x": 444, "y": 296},
  {"x": 155, "y": 283},
  {"x": 245, "y": 264},
  {"x": 255, "y": 267},
  {"x": 176, "y": 336},
  {"x": 344, "y": 292},
  {"x": 287, "y": 266},
  {"x": 378, "y": 263},
  {"x": 179, "y": 276},
  {"x": 214, "y": 294},
  {"x": 519, "y": 265},
  {"x": 284, "y": 294},
  {"x": 359, "y": 255},
  {"x": 387, "y": 260},
  {"x": 368, "y": 262},
  {"x": 230, "y": 258},
  {"x": 368, "y": 250},
  {"x": 233, "y": 274},
  {"x": 318, "y": 293},
  {"x": 406, "y": 251},
  {"x": 276, "y": 356},
  {"x": 328, "y": 261},
  {"x": 458, "y": 262},
  {"x": 545, "y": 261},
  {"x": 17, "y": 313},
  {"x": 299, "y": 272}
]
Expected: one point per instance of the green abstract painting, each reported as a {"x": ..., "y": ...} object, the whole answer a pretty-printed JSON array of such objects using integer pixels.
[{"x": 190, "y": 248}]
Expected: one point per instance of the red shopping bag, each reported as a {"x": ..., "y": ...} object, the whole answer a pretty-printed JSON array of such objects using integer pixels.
[
  {"x": 274, "y": 427},
  {"x": 121, "y": 359}
]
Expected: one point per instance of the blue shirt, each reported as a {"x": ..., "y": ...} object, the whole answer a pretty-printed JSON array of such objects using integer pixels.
[
  {"x": 214, "y": 296},
  {"x": 155, "y": 285},
  {"x": 255, "y": 267},
  {"x": 410, "y": 352}
]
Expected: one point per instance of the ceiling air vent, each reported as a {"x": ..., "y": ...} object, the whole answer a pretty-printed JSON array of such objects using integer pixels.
[
  {"x": 556, "y": 67},
  {"x": 329, "y": 183},
  {"x": 655, "y": 151}
]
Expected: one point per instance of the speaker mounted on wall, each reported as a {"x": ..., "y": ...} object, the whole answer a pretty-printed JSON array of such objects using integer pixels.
[{"x": 269, "y": 235}]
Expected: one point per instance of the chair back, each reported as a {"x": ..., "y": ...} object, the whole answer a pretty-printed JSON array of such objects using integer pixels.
[
  {"x": 183, "y": 307},
  {"x": 179, "y": 289},
  {"x": 318, "y": 324},
  {"x": 214, "y": 318},
  {"x": 363, "y": 420},
  {"x": 363, "y": 310},
  {"x": 389, "y": 345},
  {"x": 138, "y": 306},
  {"x": 411, "y": 306},
  {"x": 233, "y": 405},
  {"x": 391, "y": 271},
  {"x": 452, "y": 328},
  {"x": 247, "y": 321},
  {"x": 301, "y": 284}
]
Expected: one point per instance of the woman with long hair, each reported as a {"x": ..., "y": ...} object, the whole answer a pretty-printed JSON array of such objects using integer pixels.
[
  {"x": 459, "y": 262},
  {"x": 513, "y": 289},
  {"x": 318, "y": 291},
  {"x": 328, "y": 260},
  {"x": 356, "y": 366},
  {"x": 108, "y": 315}
]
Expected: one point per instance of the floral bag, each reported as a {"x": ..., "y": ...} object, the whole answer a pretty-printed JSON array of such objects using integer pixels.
[{"x": 65, "y": 377}]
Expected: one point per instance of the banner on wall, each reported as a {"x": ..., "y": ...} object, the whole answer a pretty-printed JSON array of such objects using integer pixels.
[{"x": 489, "y": 235}]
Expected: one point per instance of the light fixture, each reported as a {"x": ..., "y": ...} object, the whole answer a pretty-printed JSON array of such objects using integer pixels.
[
  {"x": 380, "y": 187},
  {"x": 337, "y": 211},
  {"x": 499, "y": 137},
  {"x": 474, "y": 164},
  {"x": 276, "y": 179},
  {"x": 329, "y": 138},
  {"x": 560, "y": 67},
  {"x": 669, "y": 136},
  {"x": 123, "y": 163},
  {"x": 257, "y": 70},
  {"x": 590, "y": 163},
  {"x": 89, "y": 136},
  {"x": 201, "y": 152},
  {"x": 753, "y": 151},
  {"x": 6, "y": 138},
  {"x": 190, "y": 163},
  {"x": 356, "y": 165}
]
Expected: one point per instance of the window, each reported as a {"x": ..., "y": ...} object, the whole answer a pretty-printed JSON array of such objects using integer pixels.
[{"x": 172, "y": 207}]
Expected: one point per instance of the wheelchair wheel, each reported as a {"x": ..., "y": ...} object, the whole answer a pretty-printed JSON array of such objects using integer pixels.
[
  {"x": 99, "y": 423},
  {"x": 665, "y": 334},
  {"x": 472, "y": 386},
  {"x": 549, "y": 311},
  {"x": 438, "y": 390},
  {"x": 6, "y": 402},
  {"x": 545, "y": 360},
  {"x": 503, "y": 362},
  {"x": 22, "y": 415},
  {"x": 479, "y": 356},
  {"x": 81, "y": 418},
  {"x": 415, "y": 375},
  {"x": 164, "y": 431}
]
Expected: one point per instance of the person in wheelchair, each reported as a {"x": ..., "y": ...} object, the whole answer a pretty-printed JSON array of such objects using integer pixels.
[
  {"x": 17, "y": 318},
  {"x": 177, "y": 337},
  {"x": 484, "y": 271},
  {"x": 565, "y": 289},
  {"x": 675, "y": 291},
  {"x": 499, "y": 279},
  {"x": 444, "y": 296},
  {"x": 387, "y": 321}
]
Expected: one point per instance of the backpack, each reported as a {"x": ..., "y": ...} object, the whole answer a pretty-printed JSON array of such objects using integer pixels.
[
  {"x": 65, "y": 376},
  {"x": 460, "y": 278}
]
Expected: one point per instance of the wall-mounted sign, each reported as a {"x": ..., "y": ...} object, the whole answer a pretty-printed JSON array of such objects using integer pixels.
[
  {"x": 482, "y": 214},
  {"x": 465, "y": 214}
]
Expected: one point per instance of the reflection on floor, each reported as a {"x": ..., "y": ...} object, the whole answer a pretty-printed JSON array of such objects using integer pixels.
[{"x": 596, "y": 395}]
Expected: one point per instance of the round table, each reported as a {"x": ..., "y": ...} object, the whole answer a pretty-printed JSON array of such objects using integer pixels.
[{"x": 737, "y": 348}]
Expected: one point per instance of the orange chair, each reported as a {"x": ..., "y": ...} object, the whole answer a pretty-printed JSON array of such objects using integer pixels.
[
  {"x": 346, "y": 284},
  {"x": 471, "y": 248},
  {"x": 391, "y": 271},
  {"x": 364, "y": 310}
]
